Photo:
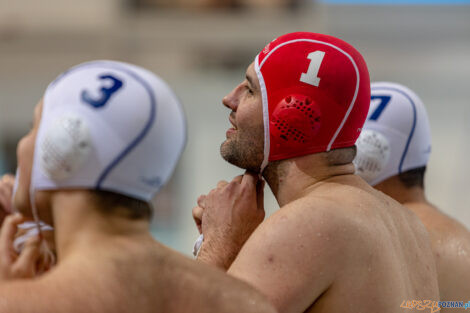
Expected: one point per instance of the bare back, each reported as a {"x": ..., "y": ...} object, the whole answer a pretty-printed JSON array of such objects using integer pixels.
[
  {"x": 390, "y": 260},
  {"x": 451, "y": 247},
  {"x": 343, "y": 247},
  {"x": 143, "y": 278}
]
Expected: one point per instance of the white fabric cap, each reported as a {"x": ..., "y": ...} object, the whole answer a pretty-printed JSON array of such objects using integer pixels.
[
  {"x": 110, "y": 126},
  {"x": 396, "y": 136}
]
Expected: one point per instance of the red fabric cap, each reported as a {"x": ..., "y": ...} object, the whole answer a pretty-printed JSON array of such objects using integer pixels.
[{"x": 316, "y": 90}]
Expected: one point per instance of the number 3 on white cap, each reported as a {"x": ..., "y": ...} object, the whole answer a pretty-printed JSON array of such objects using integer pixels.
[{"x": 315, "y": 62}]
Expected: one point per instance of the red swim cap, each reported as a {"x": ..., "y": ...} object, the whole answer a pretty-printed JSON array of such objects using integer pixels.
[{"x": 316, "y": 94}]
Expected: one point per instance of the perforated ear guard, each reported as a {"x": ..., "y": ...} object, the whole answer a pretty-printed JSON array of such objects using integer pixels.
[
  {"x": 65, "y": 147},
  {"x": 296, "y": 119},
  {"x": 373, "y": 155}
]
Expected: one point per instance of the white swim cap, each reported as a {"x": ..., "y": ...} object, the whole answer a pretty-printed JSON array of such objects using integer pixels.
[
  {"x": 396, "y": 136},
  {"x": 108, "y": 126}
]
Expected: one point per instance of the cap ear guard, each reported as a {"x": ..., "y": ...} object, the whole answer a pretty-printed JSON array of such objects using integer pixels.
[
  {"x": 295, "y": 120},
  {"x": 65, "y": 147},
  {"x": 373, "y": 155}
]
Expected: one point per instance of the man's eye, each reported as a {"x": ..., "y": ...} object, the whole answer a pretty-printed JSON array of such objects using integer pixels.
[{"x": 249, "y": 90}]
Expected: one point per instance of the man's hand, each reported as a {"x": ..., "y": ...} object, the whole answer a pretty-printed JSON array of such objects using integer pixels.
[
  {"x": 6, "y": 191},
  {"x": 29, "y": 230},
  {"x": 227, "y": 216},
  {"x": 12, "y": 264}
]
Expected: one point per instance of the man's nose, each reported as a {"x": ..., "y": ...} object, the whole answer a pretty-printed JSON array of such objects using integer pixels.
[{"x": 231, "y": 100}]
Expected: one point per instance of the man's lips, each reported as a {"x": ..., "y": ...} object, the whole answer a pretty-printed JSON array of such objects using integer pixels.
[
  {"x": 232, "y": 122},
  {"x": 230, "y": 131},
  {"x": 231, "y": 119}
]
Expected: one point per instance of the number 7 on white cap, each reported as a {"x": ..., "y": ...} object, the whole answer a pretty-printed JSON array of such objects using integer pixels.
[{"x": 315, "y": 62}]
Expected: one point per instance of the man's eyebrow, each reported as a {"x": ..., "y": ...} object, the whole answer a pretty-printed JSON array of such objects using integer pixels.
[{"x": 250, "y": 80}]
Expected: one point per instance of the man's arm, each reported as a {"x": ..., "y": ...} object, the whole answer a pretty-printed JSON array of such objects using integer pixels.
[
  {"x": 222, "y": 293},
  {"x": 227, "y": 217},
  {"x": 292, "y": 258}
]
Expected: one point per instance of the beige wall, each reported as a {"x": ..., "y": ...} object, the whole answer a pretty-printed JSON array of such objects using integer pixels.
[{"x": 202, "y": 55}]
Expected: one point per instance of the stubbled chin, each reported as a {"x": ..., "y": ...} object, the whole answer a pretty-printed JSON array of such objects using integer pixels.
[
  {"x": 223, "y": 146},
  {"x": 226, "y": 149}
]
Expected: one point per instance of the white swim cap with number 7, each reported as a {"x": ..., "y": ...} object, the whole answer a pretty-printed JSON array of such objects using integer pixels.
[{"x": 396, "y": 136}]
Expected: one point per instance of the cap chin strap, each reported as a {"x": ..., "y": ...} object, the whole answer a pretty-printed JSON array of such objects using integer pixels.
[
  {"x": 49, "y": 255},
  {"x": 264, "y": 98}
]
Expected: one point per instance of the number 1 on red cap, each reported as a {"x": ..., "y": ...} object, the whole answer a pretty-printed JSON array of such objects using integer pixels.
[{"x": 315, "y": 62}]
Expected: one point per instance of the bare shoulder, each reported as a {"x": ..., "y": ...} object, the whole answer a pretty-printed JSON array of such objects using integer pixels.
[
  {"x": 438, "y": 222},
  {"x": 328, "y": 218},
  {"x": 344, "y": 219},
  {"x": 30, "y": 296},
  {"x": 452, "y": 254},
  {"x": 208, "y": 291},
  {"x": 136, "y": 282},
  {"x": 309, "y": 226},
  {"x": 457, "y": 248},
  {"x": 450, "y": 242},
  {"x": 453, "y": 274},
  {"x": 448, "y": 234},
  {"x": 305, "y": 235}
]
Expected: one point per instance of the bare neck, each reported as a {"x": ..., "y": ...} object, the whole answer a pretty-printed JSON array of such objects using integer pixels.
[
  {"x": 79, "y": 226},
  {"x": 394, "y": 188},
  {"x": 294, "y": 178},
  {"x": 413, "y": 198}
]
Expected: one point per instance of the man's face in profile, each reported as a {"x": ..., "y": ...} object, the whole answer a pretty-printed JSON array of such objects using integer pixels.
[{"x": 244, "y": 146}]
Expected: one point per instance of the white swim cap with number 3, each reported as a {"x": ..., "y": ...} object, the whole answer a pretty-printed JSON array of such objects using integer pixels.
[{"x": 109, "y": 126}]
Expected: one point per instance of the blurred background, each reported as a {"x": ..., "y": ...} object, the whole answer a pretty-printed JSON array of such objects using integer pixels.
[{"x": 202, "y": 48}]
